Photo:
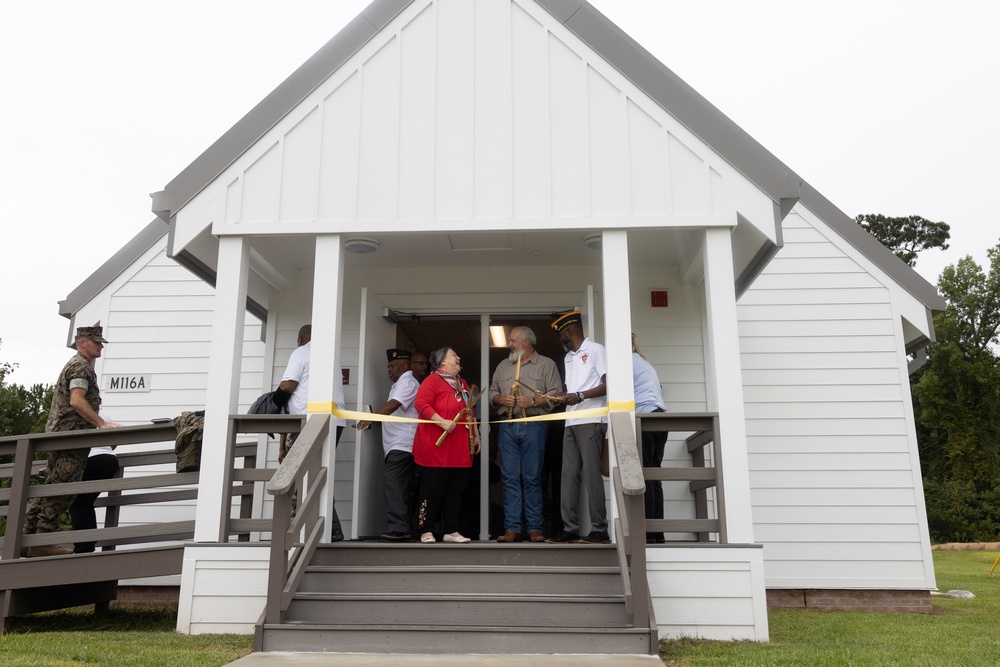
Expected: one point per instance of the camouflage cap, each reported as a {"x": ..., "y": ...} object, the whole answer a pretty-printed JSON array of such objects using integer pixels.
[{"x": 94, "y": 333}]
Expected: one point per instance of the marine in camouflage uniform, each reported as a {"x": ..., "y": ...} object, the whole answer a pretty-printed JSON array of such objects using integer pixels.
[{"x": 67, "y": 466}]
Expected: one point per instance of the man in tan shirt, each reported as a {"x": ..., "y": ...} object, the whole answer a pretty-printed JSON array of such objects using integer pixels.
[{"x": 522, "y": 444}]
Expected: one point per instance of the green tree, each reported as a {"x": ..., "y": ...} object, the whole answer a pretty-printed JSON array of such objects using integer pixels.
[
  {"x": 22, "y": 409},
  {"x": 956, "y": 399},
  {"x": 906, "y": 236}
]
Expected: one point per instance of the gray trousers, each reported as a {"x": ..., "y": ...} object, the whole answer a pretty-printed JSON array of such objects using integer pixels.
[{"x": 581, "y": 464}]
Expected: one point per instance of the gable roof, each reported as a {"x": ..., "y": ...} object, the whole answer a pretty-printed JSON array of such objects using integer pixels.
[
  {"x": 622, "y": 52},
  {"x": 110, "y": 270}
]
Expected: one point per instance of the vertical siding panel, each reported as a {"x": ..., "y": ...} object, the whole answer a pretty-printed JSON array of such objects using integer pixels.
[
  {"x": 378, "y": 160},
  {"x": 492, "y": 159},
  {"x": 688, "y": 185},
  {"x": 338, "y": 175},
  {"x": 454, "y": 134},
  {"x": 647, "y": 163},
  {"x": 260, "y": 187},
  {"x": 416, "y": 118},
  {"x": 300, "y": 170},
  {"x": 609, "y": 167},
  {"x": 569, "y": 128},
  {"x": 530, "y": 110},
  {"x": 233, "y": 195}
]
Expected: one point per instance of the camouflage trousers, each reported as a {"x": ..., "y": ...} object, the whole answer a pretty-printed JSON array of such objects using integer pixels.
[{"x": 43, "y": 513}]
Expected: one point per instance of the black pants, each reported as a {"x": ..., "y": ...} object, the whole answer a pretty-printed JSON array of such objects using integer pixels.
[
  {"x": 441, "y": 492},
  {"x": 81, "y": 512},
  {"x": 335, "y": 529},
  {"x": 398, "y": 475},
  {"x": 653, "y": 444}
]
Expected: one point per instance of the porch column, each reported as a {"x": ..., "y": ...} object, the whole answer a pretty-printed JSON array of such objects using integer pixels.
[
  {"x": 325, "y": 358},
  {"x": 618, "y": 332},
  {"x": 725, "y": 383},
  {"x": 223, "y": 387}
]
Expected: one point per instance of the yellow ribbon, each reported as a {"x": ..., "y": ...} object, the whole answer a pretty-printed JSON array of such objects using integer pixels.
[{"x": 331, "y": 407}]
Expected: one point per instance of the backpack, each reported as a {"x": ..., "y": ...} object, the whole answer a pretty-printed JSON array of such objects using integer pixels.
[
  {"x": 272, "y": 403},
  {"x": 187, "y": 447}
]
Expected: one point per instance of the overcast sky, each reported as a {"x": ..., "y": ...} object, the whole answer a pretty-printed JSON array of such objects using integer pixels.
[{"x": 883, "y": 106}]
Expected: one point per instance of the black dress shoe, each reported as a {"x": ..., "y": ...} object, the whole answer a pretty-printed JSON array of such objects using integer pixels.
[
  {"x": 563, "y": 538},
  {"x": 595, "y": 537},
  {"x": 394, "y": 536}
]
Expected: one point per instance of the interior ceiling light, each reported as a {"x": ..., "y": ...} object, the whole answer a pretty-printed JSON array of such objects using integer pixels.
[
  {"x": 594, "y": 242},
  {"x": 362, "y": 246},
  {"x": 498, "y": 336}
]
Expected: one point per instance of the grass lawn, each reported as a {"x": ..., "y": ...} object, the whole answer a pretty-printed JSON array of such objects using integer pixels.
[
  {"x": 959, "y": 632},
  {"x": 121, "y": 638}
]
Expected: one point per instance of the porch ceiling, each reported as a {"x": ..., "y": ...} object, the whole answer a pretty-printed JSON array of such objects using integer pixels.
[{"x": 481, "y": 249}]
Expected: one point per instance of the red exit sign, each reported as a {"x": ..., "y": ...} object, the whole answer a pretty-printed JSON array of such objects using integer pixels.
[{"x": 658, "y": 298}]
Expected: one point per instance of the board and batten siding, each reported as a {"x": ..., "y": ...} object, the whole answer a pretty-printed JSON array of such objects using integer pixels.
[
  {"x": 485, "y": 115},
  {"x": 229, "y": 588},
  {"x": 834, "y": 473}
]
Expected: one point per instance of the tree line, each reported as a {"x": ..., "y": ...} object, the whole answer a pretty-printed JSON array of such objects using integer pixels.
[
  {"x": 956, "y": 393},
  {"x": 22, "y": 409}
]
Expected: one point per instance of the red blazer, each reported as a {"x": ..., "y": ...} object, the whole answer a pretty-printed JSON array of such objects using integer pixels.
[{"x": 436, "y": 395}]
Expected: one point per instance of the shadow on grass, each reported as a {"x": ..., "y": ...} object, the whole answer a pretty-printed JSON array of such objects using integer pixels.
[{"x": 84, "y": 619}]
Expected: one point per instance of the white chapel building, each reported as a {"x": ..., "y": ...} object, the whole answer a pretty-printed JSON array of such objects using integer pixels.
[{"x": 441, "y": 166}]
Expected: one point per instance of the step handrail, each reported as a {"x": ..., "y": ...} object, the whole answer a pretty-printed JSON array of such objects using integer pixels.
[
  {"x": 629, "y": 487},
  {"x": 289, "y": 554},
  {"x": 704, "y": 473}
]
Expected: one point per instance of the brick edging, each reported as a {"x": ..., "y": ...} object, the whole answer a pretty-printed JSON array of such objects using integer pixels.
[
  {"x": 148, "y": 596},
  {"x": 917, "y": 602}
]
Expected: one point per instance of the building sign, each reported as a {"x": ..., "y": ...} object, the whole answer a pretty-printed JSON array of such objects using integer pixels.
[{"x": 127, "y": 383}]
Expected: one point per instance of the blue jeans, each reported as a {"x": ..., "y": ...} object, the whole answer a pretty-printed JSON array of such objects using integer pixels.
[{"x": 522, "y": 451}]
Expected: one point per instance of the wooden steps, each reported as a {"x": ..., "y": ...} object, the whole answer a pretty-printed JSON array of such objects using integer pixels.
[{"x": 470, "y": 598}]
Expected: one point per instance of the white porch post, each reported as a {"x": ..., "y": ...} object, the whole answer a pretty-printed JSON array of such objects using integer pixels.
[
  {"x": 223, "y": 386},
  {"x": 618, "y": 331},
  {"x": 723, "y": 361},
  {"x": 325, "y": 358}
]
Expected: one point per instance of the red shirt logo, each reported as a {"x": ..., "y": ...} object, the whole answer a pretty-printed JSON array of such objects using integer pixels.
[{"x": 584, "y": 358}]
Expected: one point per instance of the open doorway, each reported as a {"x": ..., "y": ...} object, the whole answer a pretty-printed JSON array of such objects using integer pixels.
[{"x": 465, "y": 334}]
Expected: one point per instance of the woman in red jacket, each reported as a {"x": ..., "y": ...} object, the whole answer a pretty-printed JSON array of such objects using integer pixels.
[{"x": 445, "y": 467}]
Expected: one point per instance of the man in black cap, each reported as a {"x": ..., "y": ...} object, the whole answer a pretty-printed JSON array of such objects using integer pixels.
[
  {"x": 586, "y": 374},
  {"x": 397, "y": 444},
  {"x": 76, "y": 402}
]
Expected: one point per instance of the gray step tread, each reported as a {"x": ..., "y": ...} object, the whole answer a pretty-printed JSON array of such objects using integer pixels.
[
  {"x": 475, "y": 544},
  {"x": 465, "y": 597},
  {"x": 306, "y": 625},
  {"x": 448, "y": 569}
]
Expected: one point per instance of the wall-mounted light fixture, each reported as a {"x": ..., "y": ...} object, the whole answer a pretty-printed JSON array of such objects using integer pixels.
[
  {"x": 498, "y": 337},
  {"x": 362, "y": 246}
]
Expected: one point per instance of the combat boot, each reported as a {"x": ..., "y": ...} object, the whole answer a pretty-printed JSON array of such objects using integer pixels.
[{"x": 47, "y": 549}]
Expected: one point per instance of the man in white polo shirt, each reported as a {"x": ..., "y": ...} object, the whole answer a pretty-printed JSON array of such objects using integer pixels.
[
  {"x": 586, "y": 374},
  {"x": 295, "y": 381},
  {"x": 397, "y": 444}
]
